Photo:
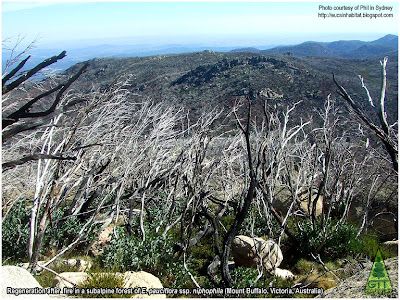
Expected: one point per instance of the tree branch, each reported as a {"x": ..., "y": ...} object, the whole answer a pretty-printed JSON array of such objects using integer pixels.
[
  {"x": 12, "y": 164},
  {"x": 33, "y": 71},
  {"x": 23, "y": 112},
  {"x": 382, "y": 113},
  {"x": 66, "y": 85},
  {"x": 381, "y": 133},
  {"x": 14, "y": 71},
  {"x": 55, "y": 273}
]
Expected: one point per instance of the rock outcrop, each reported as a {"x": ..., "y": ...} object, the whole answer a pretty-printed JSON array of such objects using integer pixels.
[
  {"x": 354, "y": 287},
  {"x": 18, "y": 278},
  {"x": 392, "y": 245},
  {"x": 282, "y": 204},
  {"x": 270, "y": 94},
  {"x": 102, "y": 241},
  {"x": 80, "y": 264},
  {"x": 143, "y": 280},
  {"x": 283, "y": 273},
  {"x": 250, "y": 252},
  {"x": 385, "y": 225}
]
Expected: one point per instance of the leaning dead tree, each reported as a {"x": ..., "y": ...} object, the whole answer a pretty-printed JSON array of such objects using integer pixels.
[
  {"x": 245, "y": 205},
  {"x": 56, "y": 180},
  {"x": 387, "y": 134},
  {"x": 384, "y": 131},
  {"x": 261, "y": 161}
]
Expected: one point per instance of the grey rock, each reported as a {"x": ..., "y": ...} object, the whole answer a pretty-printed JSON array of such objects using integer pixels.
[
  {"x": 81, "y": 264},
  {"x": 143, "y": 280},
  {"x": 19, "y": 278},
  {"x": 283, "y": 273},
  {"x": 354, "y": 287},
  {"x": 248, "y": 252},
  {"x": 392, "y": 245}
]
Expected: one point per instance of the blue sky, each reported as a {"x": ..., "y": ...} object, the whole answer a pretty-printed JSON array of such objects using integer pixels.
[{"x": 217, "y": 24}]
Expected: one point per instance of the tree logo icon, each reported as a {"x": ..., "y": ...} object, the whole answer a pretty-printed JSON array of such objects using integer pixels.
[{"x": 378, "y": 281}]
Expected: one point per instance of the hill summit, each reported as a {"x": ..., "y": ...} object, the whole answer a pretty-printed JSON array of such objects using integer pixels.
[{"x": 387, "y": 45}]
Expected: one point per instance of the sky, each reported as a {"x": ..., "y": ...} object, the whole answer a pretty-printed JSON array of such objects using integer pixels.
[{"x": 244, "y": 24}]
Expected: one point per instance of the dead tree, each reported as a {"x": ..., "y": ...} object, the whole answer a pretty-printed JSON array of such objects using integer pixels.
[
  {"x": 123, "y": 146},
  {"x": 383, "y": 130},
  {"x": 245, "y": 205},
  {"x": 263, "y": 162},
  {"x": 56, "y": 180}
]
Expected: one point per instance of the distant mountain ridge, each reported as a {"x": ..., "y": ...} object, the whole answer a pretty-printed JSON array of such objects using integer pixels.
[
  {"x": 344, "y": 49},
  {"x": 220, "y": 79},
  {"x": 387, "y": 45},
  {"x": 77, "y": 55}
]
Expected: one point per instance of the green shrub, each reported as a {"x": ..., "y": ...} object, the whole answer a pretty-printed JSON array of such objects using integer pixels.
[
  {"x": 260, "y": 226},
  {"x": 247, "y": 277},
  {"x": 307, "y": 238},
  {"x": 154, "y": 255},
  {"x": 369, "y": 247},
  {"x": 65, "y": 232},
  {"x": 106, "y": 281},
  {"x": 334, "y": 241},
  {"x": 15, "y": 232},
  {"x": 304, "y": 266},
  {"x": 133, "y": 254},
  {"x": 342, "y": 240},
  {"x": 339, "y": 240},
  {"x": 244, "y": 277}
]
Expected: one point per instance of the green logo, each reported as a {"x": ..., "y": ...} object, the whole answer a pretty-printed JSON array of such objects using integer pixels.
[{"x": 378, "y": 281}]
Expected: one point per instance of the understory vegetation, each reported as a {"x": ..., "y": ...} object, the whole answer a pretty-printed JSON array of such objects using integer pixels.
[{"x": 175, "y": 190}]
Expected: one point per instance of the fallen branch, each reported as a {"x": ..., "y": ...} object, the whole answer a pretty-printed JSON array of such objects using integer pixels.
[
  {"x": 187, "y": 270},
  {"x": 318, "y": 260},
  {"x": 55, "y": 273}
]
